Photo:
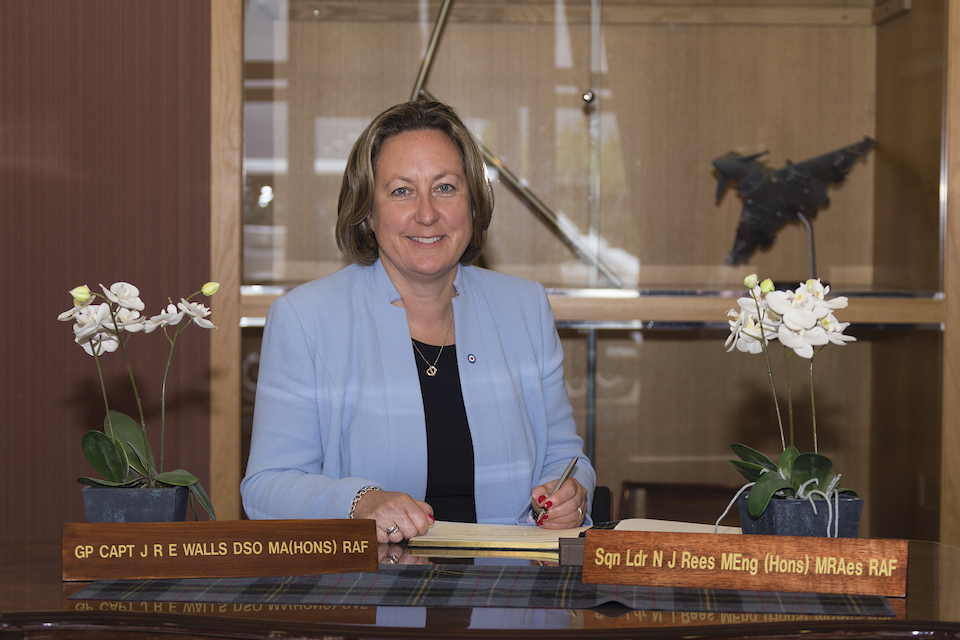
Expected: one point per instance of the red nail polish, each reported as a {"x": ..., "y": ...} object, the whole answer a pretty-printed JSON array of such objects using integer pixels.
[
  {"x": 545, "y": 516},
  {"x": 548, "y": 505},
  {"x": 541, "y": 499},
  {"x": 431, "y": 518}
]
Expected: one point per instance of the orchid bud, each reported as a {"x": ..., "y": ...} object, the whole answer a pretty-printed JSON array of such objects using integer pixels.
[
  {"x": 767, "y": 286},
  {"x": 750, "y": 281},
  {"x": 210, "y": 288},
  {"x": 80, "y": 294}
]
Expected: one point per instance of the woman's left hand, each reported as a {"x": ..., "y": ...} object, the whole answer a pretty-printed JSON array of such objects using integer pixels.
[{"x": 565, "y": 508}]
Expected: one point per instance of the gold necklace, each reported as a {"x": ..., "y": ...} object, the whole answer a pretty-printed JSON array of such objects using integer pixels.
[{"x": 432, "y": 368}]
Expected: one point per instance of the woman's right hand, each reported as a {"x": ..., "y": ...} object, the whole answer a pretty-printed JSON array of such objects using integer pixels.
[{"x": 394, "y": 510}]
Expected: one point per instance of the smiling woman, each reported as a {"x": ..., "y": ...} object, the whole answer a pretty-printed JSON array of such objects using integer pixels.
[
  {"x": 421, "y": 212},
  {"x": 354, "y": 236},
  {"x": 412, "y": 385}
]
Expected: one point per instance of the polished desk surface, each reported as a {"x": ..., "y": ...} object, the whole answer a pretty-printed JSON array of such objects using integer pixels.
[{"x": 34, "y": 603}]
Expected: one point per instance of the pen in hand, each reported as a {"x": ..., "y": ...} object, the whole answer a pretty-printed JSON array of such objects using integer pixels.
[{"x": 563, "y": 478}]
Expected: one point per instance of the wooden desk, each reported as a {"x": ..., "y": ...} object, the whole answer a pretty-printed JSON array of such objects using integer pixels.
[{"x": 34, "y": 604}]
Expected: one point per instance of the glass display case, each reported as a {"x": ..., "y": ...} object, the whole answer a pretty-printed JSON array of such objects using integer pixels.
[{"x": 602, "y": 120}]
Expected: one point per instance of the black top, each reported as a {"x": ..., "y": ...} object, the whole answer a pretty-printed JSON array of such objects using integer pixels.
[{"x": 449, "y": 446}]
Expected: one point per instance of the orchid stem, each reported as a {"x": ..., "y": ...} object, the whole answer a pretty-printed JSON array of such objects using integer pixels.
[
  {"x": 786, "y": 360},
  {"x": 136, "y": 394},
  {"x": 163, "y": 391},
  {"x": 103, "y": 387},
  {"x": 813, "y": 409},
  {"x": 766, "y": 355}
]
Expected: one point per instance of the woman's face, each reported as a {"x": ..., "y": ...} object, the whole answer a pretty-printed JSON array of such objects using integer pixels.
[{"x": 421, "y": 206}]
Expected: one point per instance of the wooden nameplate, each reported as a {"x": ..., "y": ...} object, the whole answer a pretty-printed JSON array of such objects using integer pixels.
[
  {"x": 222, "y": 549},
  {"x": 746, "y": 562}
]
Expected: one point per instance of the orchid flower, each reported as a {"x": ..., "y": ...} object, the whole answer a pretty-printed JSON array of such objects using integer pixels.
[
  {"x": 197, "y": 312},
  {"x": 91, "y": 320},
  {"x": 747, "y": 332},
  {"x": 834, "y": 330},
  {"x": 126, "y": 319},
  {"x": 124, "y": 294},
  {"x": 801, "y": 319},
  {"x": 99, "y": 343},
  {"x": 169, "y": 316},
  {"x": 803, "y": 339},
  {"x": 93, "y": 330},
  {"x": 820, "y": 291}
]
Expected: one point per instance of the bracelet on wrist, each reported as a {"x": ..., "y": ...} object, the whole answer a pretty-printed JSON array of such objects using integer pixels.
[{"x": 356, "y": 498}]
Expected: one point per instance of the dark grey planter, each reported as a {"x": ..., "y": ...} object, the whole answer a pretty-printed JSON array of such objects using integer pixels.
[
  {"x": 135, "y": 505},
  {"x": 786, "y": 517}
]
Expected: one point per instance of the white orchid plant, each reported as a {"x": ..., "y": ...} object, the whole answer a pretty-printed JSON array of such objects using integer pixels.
[
  {"x": 121, "y": 453},
  {"x": 804, "y": 323}
]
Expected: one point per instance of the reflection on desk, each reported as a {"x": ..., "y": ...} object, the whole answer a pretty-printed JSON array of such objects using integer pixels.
[{"x": 34, "y": 600}]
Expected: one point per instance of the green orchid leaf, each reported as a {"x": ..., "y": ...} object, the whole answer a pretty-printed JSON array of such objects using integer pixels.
[
  {"x": 102, "y": 453},
  {"x": 129, "y": 431},
  {"x": 201, "y": 496},
  {"x": 182, "y": 478},
  {"x": 138, "y": 460},
  {"x": 812, "y": 465},
  {"x": 848, "y": 492},
  {"x": 748, "y": 470},
  {"x": 178, "y": 478},
  {"x": 125, "y": 460},
  {"x": 124, "y": 427},
  {"x": 786, "y": 462},
  {"x": 825, "y": 482},
  {"x": 763, "y": 491},
  {"x": 753, "y": 456},
  {"x": 106, "y": 484}
]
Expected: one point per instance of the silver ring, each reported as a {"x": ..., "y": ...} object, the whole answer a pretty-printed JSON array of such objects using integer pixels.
[
  {"x": 392, "y": 530},
  {"x": 392, "y": 559},
  {"x": 580, "y": 511}
]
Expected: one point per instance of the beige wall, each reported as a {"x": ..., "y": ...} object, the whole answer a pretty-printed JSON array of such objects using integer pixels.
[{"x": 683, "y": 82}]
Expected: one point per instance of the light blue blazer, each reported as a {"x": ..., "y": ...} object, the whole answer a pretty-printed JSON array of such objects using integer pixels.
[{"x": 339, "y": 406}]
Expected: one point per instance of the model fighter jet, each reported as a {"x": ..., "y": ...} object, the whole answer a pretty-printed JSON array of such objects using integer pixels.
[{"x": 774, "y": 197}]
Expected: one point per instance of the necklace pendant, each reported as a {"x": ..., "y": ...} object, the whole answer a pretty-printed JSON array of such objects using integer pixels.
[{"x": 431, "y": 371}]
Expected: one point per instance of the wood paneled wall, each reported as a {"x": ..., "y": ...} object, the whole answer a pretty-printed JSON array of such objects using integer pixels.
[
  {"x": 679, "y": 87},
  {"x": 910, "y": 93},
  {"x": 104, "y": 176}
]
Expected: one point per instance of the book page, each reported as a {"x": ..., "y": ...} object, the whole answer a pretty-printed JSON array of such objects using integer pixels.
[
  {"x": 467, "y": 535},
  {"x": 440, "y": 554}
]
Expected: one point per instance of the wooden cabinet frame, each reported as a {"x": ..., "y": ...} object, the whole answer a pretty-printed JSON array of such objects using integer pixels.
[
  {"x": 226, "y": 124},
  {"x": 950, "y": 433},
  {"x": 226, "y": 135}
]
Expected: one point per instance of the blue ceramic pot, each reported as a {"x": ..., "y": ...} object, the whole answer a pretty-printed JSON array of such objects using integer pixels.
[
  {"x": 135, "y": 505},
  {"x": 790, "y": 517}
]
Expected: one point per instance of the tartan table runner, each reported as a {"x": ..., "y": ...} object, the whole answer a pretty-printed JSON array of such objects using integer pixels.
[{"x": 475, "y": 586}]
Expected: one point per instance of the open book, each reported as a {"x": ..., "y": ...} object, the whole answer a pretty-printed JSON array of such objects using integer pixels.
[{"x": 463, "y": 535}]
